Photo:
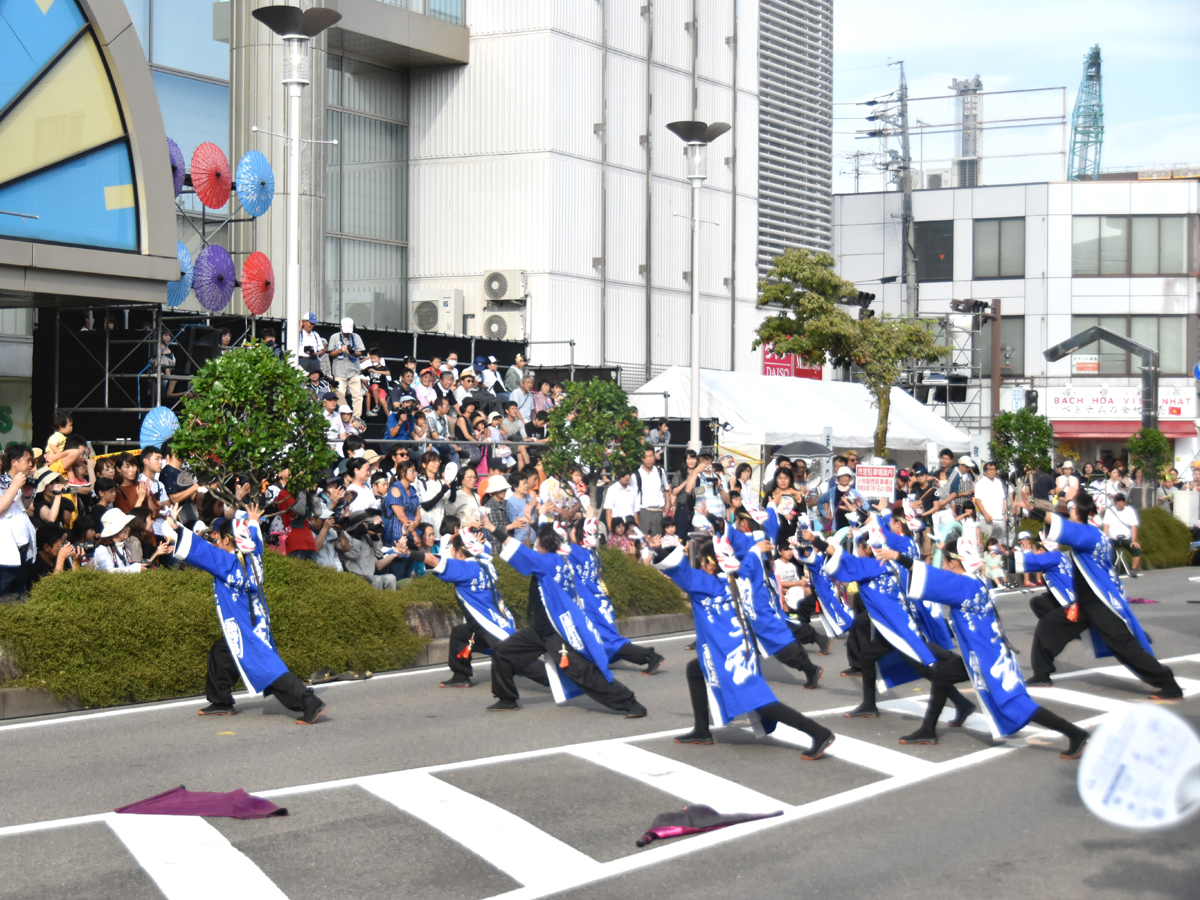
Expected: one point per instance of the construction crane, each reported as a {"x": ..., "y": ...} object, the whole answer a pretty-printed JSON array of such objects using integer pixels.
[{"x": 1087, "y": 122}]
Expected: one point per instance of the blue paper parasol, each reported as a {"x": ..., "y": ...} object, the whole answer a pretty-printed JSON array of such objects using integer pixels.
[
  {"x": 177, "y": 170},
  {"x": 177, "y": 291},
  {"x": 214, "y": 277},
  {"x": 255, "y": 183},
  {"x": 158, "y": 426}
]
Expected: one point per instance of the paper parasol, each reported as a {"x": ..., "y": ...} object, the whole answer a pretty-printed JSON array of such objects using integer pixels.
[
  {"x": 255, "y": 184},
  {"x": 211, "y": 176},
  {"x": 158, "y": 426},
  {"x": 177, "y": 171},
  {"x": 214, "y": 277},
  {"x": 258, "y": 283},
  {"x": 177, "y": 291}
]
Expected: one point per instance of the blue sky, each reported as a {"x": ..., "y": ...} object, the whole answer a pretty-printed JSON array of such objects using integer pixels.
[{"x": 1150, "y": 77}]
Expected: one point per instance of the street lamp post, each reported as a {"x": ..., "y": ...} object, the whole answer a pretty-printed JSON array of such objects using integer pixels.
[
  {"x": 297, "y": 30},
  {"x": 696, "y": 137}
]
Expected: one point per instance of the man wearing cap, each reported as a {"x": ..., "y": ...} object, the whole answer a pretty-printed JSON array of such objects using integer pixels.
[
  {"x": 515, "y": 375},
  {"x": 311, "y": 352},
  {"x": 962, "y": 484},
  {"x": 1121, "y": 527},
  {"x": 333, "y": 421},
  {"x": 1066, "y": 486},
  {"x": 490, "y": 373},
  {"x": 845, "y": 501},
  {"x": 346, "y": 349}
]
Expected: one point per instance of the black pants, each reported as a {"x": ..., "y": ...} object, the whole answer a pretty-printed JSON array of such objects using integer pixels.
[
  {"x": 865, "y": 647},
  {"x": 460, "y": 636},
  {"x": 803, "y": 631},
  {"x": 794, "y": 657},
  {"x": 526, "y": 648},
  {"x": 634, "y": 653},
  {"x": 1043, "y": 603},
  {"x": 807, "y": 608},
  {"x": 223, "y": 674},
  {"x": 777, "y": 711},
  {"x": 1054, "y": 631}
]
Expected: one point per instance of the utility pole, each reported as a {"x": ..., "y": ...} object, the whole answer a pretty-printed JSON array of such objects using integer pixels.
[
  {"x": 906, "y": 186},
  {"x": 856, "y": 158}
]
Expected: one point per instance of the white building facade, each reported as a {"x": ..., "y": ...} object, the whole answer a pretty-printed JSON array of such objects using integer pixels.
[{"x": 1059, "y": 257}]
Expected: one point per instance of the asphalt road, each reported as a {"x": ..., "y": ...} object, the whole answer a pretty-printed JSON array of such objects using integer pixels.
[{"x": 406, "y": 790}]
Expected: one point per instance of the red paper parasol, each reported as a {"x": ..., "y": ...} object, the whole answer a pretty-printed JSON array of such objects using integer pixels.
[
  {"x": 211, "y": 176},
  {"x": 258, "y": 283}
]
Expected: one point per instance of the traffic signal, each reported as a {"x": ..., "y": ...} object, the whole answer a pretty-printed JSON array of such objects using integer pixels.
[
  {"x": 865, "y": 314},
  {"x": 864, "y": 299},
  {"x": 1031, "y": 401}
]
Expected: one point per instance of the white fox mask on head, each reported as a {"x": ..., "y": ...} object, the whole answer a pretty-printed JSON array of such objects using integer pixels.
[
  {"x": 591, "y": 533},
  {"x": 725, "y": 557}
]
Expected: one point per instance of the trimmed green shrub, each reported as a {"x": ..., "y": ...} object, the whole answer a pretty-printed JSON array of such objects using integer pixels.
[
  {"x": 1165, "y": 540},
  {"x": 102, "y": 639}
]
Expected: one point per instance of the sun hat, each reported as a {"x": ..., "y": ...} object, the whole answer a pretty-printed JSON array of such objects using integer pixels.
[
  {"x": 494, "y": 415},
  {"x": 47, "y": 477},
  {"x": 345, "y": 409},
  {"x": 965, "y": 460},
  {"x": 496, "y": 484},
  {"x": 845, "y": 470},
  {"x": 371, "y": 457},
  {"x": 1068, "y": 464},
  {"x": 113, "y": 522},
  {"x": 347, "y": 325}
]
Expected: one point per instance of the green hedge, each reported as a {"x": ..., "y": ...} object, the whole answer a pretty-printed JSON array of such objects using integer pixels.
[
  {"x": 103, "y": 639},
  {"x": 1165, "y": 540}
]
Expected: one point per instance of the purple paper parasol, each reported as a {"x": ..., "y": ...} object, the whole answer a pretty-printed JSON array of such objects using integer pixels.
[
  {"x": 214, "y": 277},
  {"x": 177, "y": 166}
]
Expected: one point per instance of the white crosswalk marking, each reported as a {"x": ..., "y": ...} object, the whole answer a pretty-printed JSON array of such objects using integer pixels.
[
  {"x": 525, "y": 853},
  {"x": 190, "y": 860},
  {"x": 684, "y": 781},
  {"x": 1077, "y": 698}
]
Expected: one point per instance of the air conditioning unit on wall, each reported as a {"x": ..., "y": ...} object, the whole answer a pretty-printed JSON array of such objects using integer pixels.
[
  {"x": 504, "y": 286},
  {"x": 939, "y": 178},
  {"x": 503, "y": 326},
  {"x": 360, "y": 306},
  {"x": 436, "y": 310}
]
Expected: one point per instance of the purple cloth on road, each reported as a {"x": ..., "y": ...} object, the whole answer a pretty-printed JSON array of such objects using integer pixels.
[
  {"x": 182, "y": 802},
  {"x": 695, "y": 819}
]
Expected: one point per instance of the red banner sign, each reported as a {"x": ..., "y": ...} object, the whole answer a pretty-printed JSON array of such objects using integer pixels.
[{"x": 788, "y": 365}]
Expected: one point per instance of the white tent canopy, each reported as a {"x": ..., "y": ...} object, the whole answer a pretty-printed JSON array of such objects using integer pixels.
[{"x": 766, "y": 410}]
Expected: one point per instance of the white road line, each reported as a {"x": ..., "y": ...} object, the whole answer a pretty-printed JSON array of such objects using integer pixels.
[
  {"x": 525, "y": 853},
  {"x": 684, "y": 781},
  {"x": 190, "y": 860},
  {"x": 1077, "y": 698},
  {"x": 915, "y": 706},
  {"x": 865, "y": 754}
]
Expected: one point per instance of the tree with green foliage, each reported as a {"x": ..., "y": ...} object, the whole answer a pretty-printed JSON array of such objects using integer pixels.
[
  {"x": 819, "y": 331},
  {"x": 1023, "y": 439},
  {"x": 251, "y": 414},
  {"x": 1150, "y": 450},
  {"x": 593, "y": 426}
]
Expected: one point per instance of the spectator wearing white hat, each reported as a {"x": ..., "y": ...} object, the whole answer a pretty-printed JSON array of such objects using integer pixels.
[
  {"x": 111, "y": 555},
  {"x": 346, "y": 349},
  {"x": 846, "y": 501},
  {"x": 1067, "y": 484},
  {"x": 492, "y": 380},
  {"x": 495, "y": 513}
]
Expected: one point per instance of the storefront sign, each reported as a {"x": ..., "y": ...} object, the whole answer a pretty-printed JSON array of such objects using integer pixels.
[
  {"x": 1115, "y": 403},
  {"x": 1085, "y": 364},
  {"x": 788, "y": 365},
  {"x": 876, "y": 482},
  {"x": 16, "y": 419}
]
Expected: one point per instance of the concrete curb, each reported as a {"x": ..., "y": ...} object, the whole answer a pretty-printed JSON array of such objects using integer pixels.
[{"x": 22, "y": 703}]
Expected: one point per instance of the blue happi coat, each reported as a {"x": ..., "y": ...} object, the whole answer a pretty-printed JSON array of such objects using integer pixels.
[
  {"x": 475, "y": 586},
  {"x": 1092, "y": 554},
  {"x": 235, "y": 588},
  {"x": 556, "y": 586},
  {"x": 879, "y": 589},
  {"x": 595, "y": 599},
  {"x": 762, "y": 613},
  {"x": 928, "y": 617},
  {"x": 726, "y": 653},
  {"x": 833, "y": 612},
  {"x": 994, "y": 672}
]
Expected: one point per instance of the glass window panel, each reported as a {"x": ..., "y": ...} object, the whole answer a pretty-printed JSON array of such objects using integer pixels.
[
  {"x": 333, "y": 80},
  {"x": 987, "y": 248},
  {"x": 1113, "y": 361},
  {"x": 1085, "y": 249},
  {"x": 1082, "y": 323},
  {"x": 373, "y": 278},
  {"x": 373, "y": 178},
  {"x": 333, "y": 302},
  {"x": 1172, "y": 345},
  {"x": 1012, "y": 248},
  {"x": 1012, "y": 332},
  {"x": 1114, "y": 245},
  {"x": 333, "y": 167},
  {"x": 374, "y": 90},
  {"x": 139, "y": 11},
  {"x": 193, "y": 112},
  {"x": 935, "y": 250},
  {"x": 1143, "y": 242},
  {"x": 450, "y": 10},
  {"x": 1172, "y": 237},
  {"x": 1144, "y": 330},
  {"x": 182, "y": 38}
]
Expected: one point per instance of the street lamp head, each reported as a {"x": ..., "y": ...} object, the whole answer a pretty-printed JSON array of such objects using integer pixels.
[
  {"x": 697, "y": 132},
  {"x": 289, "y": 20}
]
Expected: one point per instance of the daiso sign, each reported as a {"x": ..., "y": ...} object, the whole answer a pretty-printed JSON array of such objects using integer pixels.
[{"x": 788, "y": 365}]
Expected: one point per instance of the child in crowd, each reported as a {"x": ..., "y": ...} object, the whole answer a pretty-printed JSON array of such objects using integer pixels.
[
  {"x": 57, "y": 456},
  {"x": 670, "y": 538},
  {"x": 617, "y": 540},
  {"x": 995, "y": 568},
  {"x": 377, "y": 375}
]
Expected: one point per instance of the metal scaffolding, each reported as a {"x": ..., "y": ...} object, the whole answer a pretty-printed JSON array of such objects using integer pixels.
[{"x": 1087, "y": 123}]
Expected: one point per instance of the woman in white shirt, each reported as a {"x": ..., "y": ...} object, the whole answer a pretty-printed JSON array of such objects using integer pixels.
[
  {"x": 111, "y": 555},
  {"x": 463, "y": 501},
  {"x": 431, "y": 491}
]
